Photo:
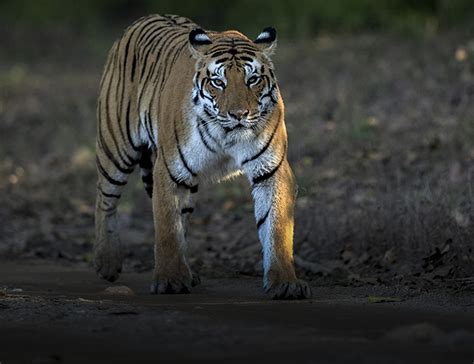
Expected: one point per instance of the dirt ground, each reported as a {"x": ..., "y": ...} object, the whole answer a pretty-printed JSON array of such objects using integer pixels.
[{"x": 62, "y": 314}]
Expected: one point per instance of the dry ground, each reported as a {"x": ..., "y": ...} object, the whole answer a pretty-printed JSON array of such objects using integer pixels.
[{"x": 63, "y": 315}]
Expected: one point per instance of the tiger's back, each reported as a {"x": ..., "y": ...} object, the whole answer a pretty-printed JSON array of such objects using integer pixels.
[{"x": 136, "y": 70}]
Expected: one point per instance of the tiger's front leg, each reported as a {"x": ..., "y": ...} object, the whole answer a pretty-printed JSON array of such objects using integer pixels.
[
  {"x": 172, "y": 273},
  {"x": 274, "y": 194}
]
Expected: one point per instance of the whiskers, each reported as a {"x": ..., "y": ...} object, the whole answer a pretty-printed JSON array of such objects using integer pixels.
[
  {"x": 216, "y": 123},
  {"x": 208, "y": 121}
]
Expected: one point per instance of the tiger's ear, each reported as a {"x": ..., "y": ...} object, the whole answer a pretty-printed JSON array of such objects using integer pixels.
[
  {"x": 199, "y": 42},
  {"x": 266, "y": 41}
]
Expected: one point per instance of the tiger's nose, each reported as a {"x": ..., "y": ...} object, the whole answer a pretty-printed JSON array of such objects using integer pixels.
[{"x": 238, "y": 114}]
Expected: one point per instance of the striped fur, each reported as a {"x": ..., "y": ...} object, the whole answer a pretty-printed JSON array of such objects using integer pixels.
[{"x": 190, "y": 107}]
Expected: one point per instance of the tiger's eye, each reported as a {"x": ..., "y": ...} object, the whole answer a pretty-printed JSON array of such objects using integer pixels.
[
  {"x": 218, "y": 83},
  {"x": 253, "y": 80}
]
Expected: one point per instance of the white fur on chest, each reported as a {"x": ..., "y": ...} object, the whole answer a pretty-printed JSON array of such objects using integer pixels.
[{"x": 210, "y": 159}]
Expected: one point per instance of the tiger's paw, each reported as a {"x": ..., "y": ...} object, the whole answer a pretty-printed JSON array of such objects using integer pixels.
[
  {"x": 108, "y": 265},
  {"x": 292, "y": 290},
  {"x": 171, "y": 286}
]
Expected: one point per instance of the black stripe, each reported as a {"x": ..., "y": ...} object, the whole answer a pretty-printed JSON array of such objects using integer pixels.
[
  {"x": 208, "y": 133},
  {"x": 106, "y": 175},
  {"x": 208, "y": 114},
  {"x": 248, "y": 51},
  {"x": 111, "y": 195},
  {"x": 110, "y": 156},
  {"x": 128, "y": 129},
  {"x": 187, "y": 210},
  {"x": 144, "y": 59},
  {"x": 148, "y": 29},
  {"x": 109, "y": 125},
  {"x": 149, "y": 190},
  {"x": 242, "y": 51},
  {"x": 181, "y": 155},
  {"x": 218, "y": 54},
  {"x": 162, "y": 42},
  {"x": 222, "y": 60},
  {"x": 264, "y": 148},
  {"x": 152, "y": 36},
  {"x": 149, "y": 66},
  {"x": 173, "y": 178},
  {"x": 168, "y": 62},
  {"x": 208, "y": 147},
  {"x": 270, "y": 94},
  {"x": 108, "y": 209},
  {"x": 171, "y": 64},
  {"x": 245, "y": 59},
  {"x": 119, "y": 71},
  {"x": 145, "y": 160},
  {"x": 158, "y": 84},
  {"x": 120, "y": 84},
  {"x": 262, "y": 220},
  {"x": 134, "y": 65},
  {"x": 149, "y": 128},
  {"x": 147, "y": 179},
  {"x": 267, "y": 175}
]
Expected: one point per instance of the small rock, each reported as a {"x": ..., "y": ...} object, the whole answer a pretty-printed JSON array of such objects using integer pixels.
[
  {"x": 16, "y": 290},
  {"x": 3, "y": 292},
  {"x": 119, "y": 290}
]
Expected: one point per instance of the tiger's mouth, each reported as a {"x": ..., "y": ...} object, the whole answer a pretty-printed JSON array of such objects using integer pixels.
[
  {"x": 235, "y": 127},
  {"x": 229, "y": 124}
]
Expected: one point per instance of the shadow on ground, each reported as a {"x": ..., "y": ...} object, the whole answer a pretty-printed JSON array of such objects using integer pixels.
[{"x": 63, "y": 314}]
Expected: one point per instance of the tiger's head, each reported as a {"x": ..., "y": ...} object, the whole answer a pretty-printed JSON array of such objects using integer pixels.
[{"x": 234, "y": 83}]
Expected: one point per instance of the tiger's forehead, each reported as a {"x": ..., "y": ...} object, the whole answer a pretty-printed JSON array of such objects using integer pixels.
[
  {"x": 248, "y": 66},
  {"x": 233, "y": 49},
  {"x": 235, "y": 45}
]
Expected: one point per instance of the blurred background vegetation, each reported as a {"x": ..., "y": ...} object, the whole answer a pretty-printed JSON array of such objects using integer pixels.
[{"x": 292, "y": 18}]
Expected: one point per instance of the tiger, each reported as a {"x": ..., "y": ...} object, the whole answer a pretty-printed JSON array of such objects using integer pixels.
[{"x": 189, "y": 107}]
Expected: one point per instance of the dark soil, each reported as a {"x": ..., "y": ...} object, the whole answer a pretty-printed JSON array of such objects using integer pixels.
[{"x": 62, "y": 314}]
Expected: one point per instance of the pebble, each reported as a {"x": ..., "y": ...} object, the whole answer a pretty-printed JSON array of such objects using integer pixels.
[{"x": 119, "y": 290}]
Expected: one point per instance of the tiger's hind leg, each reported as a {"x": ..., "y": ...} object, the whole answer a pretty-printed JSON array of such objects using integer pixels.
[{"x": 112, "y": 178}]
